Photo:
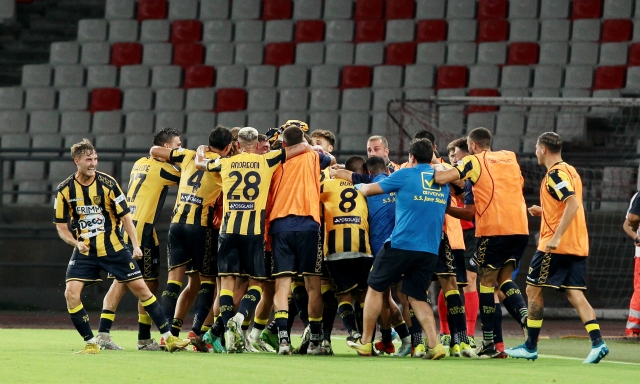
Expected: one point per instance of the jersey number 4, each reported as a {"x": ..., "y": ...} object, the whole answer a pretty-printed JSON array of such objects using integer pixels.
[
  {"x": 194, "y": 180},
  {"x": 251, "y": 183}
]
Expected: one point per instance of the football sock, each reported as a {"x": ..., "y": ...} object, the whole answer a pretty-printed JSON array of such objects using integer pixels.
[
  {"x": 593, "y": 328},
  {"x": 250, "y": 301},
  {"x": 258, "y": 326},
  {"x": 144, "y": 327},
  {"x": 106, "y": 321},
  {"x": 176, "y": 326},
  {"x": 471, "y": 306},
  {"x": 301, "y": 300},
  {"x": 315, "y": 326},
  {"x": 205, "y": 328},
  {"x": 281, "y": 318},
  {"x": 443, "y": 314},
  {"x": 359, "y": 310},
  {"x": 497, "y": 325},
  {"x": 329, "y": 311},
  {"x": 227, "y": 308},
  {"x": 386, "y": 335},
  {"x": 514, "y": 299},
  {"x": 487, "y": 312},
  {"x": 403, "y": 330},
  {"x": 457, "y": 315},
  {"x": 273, "y": 327},
  {"x": 218, "y": 327},
  {"x": 80, "y": 320},
  {"x": 203, "y": 304},
  {"x": 170, "y": 298},
  {"x": 416, "y": 330},
  {"x": 153, "y": 309},
  {"x": 348, "y": 316},
  {"x": 533, "y": 332},
  {"x": 293, "y": 311}
]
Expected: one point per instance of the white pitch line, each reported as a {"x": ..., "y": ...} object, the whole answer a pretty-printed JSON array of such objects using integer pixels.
[{"x": 578, "y": 359}]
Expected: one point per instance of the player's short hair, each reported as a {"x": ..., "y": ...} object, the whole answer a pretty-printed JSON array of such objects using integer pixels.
[
  {"x": 424, "y": 134},
  {"x": 220, "y": 137},
  {"x": 307, "y": 138},
  {"x": 376, "y": 165},
  {"x": 422, "y": 150},
  {"x": 248, "y": 135},
  {"x": 262, "y": 137},
  {"x": 481, "y": 136},
  {"x": 293, "y": 135},
  {"x": 356, "y": 164},
  {"x": 82, "y": 148},
  {"x": 458, "y": 143},
  {"x": 382, "y": 139},
  {"x": 327, "y": 135},
  {"x": 165, "y": 135},
  {"x": 551, "y": 141}
]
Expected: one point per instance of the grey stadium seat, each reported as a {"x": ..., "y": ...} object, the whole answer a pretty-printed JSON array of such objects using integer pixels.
[
  {"x": 200, "y": 122},
  {"x": 107, "y": 122},
  {"x": 13, "y": 122},
  {"x": 200, "y": 99},
  {"x": 71, "y": 75},
  {"x": 133, "y": 76},
  {"x": 323, "y": 76},
  {"x": 123, "y": 30},
  {"x": 101, "y": 76},
  {"x": 95, "y": 53},
  {"x": 44, "y": 121},
  {"x": 139, "y": 122},
  {"x": 92, "y": 30},
  {"x": 172, "y": 119},
  {"x": 155, "y": 31},
  {"x": 214, "y": 9},
  {"x": 36, "y": 75},
  {"x": 40, "y": 98},
  {"x": 354, "y": 123},
  {"x": 169, "y": 99},
  {"x": 75, "y": 122},
  {"x": 73, "y": 99},
  {"x": 119, "y": 9},
  {"x": 183, "y": 9},
  {"x": 66, "y": 52},
  {"x": 261, "y": 76}
]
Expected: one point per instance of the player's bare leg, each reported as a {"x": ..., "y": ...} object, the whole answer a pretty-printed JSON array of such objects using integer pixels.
[
  {"x": 281, "y": 307},
  {"x": 313, "y": 285},
  {"x": 185, "y": 301},
  {"x": 261, "y": 318},
  {"x": 109, "y": 305}
]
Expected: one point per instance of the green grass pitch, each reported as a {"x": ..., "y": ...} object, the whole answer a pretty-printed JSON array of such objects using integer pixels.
[{"x": 46, "y": 356}]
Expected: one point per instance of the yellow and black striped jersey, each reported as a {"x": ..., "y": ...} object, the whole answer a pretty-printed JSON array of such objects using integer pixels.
[
  {"x": 95, "y": 209},
  {"x": 246, "y": 180},
  {"x": 197, "y": 191},
  {"x": 345, "y": 220},
  {"x": 148, "y": 186}
]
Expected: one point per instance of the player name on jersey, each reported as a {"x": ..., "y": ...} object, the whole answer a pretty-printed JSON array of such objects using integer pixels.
[{"x": 245, "y": 164}]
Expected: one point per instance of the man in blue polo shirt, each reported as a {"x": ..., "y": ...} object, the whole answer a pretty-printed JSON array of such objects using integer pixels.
[{"x": 411, "y": 253}]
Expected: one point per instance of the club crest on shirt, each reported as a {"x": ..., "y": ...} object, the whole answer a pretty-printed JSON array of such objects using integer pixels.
[{"x": 97, "y": 200}]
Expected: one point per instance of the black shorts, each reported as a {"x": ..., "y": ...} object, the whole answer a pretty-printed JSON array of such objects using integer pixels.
[
  {"x": 558, "y": 271},
  {"x": 190, "y": 245},
  {"x": 496, "y": 251},
  {"x": 414, "y": 268},
  {"x": 268, "y": 265},
  {"x": 451, "y": 263},
  {"x": 87, "y": 268},
  {"x": 296, "y": 254},
  {"x": 470, "y": 245},
  {"x": 241, "y": 255},
  {"x": 349, "y": 274},
  {"x": 149, "y": 264}
]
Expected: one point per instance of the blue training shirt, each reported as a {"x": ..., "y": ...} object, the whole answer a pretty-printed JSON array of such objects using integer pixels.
[
  {"x": 420, "y": 208},
  {"x": 382, "y": 216}
]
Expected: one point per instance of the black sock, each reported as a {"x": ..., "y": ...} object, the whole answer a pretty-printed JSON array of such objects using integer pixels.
[
  {"x": 514, "y": 302},
  {"x": 218, "y": 327},
  {"x": 170, "y": 298},
  {"x": 227, "y": 309},
  {"x": 497, "y": 325},
  {"x": 281, "y": 318},
  {"x": 402, "y": 329},
  {"x": 533, "y": 332},
  {"x": 273, "y": 327},
  {"x": 259, "y": 324},
  {"x": 348, "y": 316},
  {"x": 386, "y": 335},
  {"x": 301, "y": 300},
  {"x": 315, "y": 326},
  {"x": 106, "y": 321},
  {"x": 487, "y": 312},
  {"x": 80, "y": 320},
  {"x": 359, "y": 310},
  {"x": 455, "y": 309},
  {"x": 176, "y": 326},
  {"x": 593, "y": 328},
  {"x": 415, "y": 329},
  {"x": 203, "y": 304},
  {"x": 153, "y": 309},
  {"x": 329, "y": 311},
  {"x": 144, "y": 327},
  {"x": 291, "y": 313},
  {"x": 249, "y": 301}
]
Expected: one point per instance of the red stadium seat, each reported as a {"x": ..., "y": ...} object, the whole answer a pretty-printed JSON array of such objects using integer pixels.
[
  {"x": 586, "y": 9},
  {"x": 231, "y": 100},
  {"x": 431, "y": 31},
  {"x": 492, "y": 9},
  {"x": 400, "y": 54},
  {"x": 308, "y": 31},
  {"x": 152, "y": 9},
  {"x": 452, "y": 76},
  {"x": 400, "y": 9},
  {"x": 126, "y": 54},
  {"x": 356, "y": 76},
  {"x": 493, "y": 30},
  {"x": 280, "y": 54},
  {"x": 369, "y": 9},
  {"x": 486, "y": 92},
  {"x": 188, "y": 54},
  {"x": 186, "y": 31},
  {"x": 634, "y": 54},
  {"x": 276, "y": 9},
  {"x": 523, "y": 53},
  {"x": 610, "y": 77},
  {"x": 614, "y": 31},
  {"x": 368, "y": 31},
  {"x": 199, "y": 76},
  {"x": 105, "y": 99}
]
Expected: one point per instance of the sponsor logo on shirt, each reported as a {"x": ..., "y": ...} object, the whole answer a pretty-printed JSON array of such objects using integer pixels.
[
  {"x": 241, "y": 206},
  {"x": 120, "y": 199},
  {"x": 347, "y": 220},
  {"x": 88, "y": 209},
  {"x": 193, "y": 199}
]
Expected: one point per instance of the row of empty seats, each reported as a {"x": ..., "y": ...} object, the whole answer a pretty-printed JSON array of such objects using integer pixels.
[
  {"x": 368, "y": 9},
  {"x": 304, "y": 31}
]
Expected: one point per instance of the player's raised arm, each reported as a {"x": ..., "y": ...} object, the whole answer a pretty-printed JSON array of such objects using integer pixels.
[
  {"x": 468, "y": 212},
  {"x": 201, "y": 160},
  {"x": 160, "y": 152},
  {"x": 443, "y": 176},
  {"x": 341, "y": 174},
  {"x": 369, "y": 189}
]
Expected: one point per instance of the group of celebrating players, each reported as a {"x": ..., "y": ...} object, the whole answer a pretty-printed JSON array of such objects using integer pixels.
[{"x": 270, "y": 223}]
